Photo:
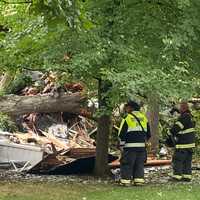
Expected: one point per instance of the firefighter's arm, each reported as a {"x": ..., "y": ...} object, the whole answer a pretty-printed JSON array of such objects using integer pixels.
[
  {"x": 122, "y": 133},
  {"x": 172, "y": 134},
  {"x": 178, "y": 126}
]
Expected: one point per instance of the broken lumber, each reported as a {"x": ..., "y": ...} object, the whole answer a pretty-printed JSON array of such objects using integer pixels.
[
  {"x": 16, "y": 105},
  {"x": 55, "y": 141}
]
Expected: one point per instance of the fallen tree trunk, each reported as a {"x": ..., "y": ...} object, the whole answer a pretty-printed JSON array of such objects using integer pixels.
[{"x": 17, "y": 105}]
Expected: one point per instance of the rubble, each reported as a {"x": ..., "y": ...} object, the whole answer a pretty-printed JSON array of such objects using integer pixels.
[
  {"x": 75, "y": 161},
  {"x": 55, "y": 134},
  {"x": 14, "y": 153},
  {"x": 59, "y": 141},
  {"x": 153, "y": 176}
]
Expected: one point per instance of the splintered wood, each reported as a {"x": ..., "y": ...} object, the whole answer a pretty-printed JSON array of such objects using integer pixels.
[{"x": 61, "y": 136}]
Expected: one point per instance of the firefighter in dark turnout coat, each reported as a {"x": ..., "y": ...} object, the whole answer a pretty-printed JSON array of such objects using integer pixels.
[
  {"x": 183, "y": 134},
  {"x": 133, "y": 133}
]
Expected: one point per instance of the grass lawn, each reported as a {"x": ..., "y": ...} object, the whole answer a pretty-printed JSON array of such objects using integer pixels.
[{"x": 98, "y": 191}]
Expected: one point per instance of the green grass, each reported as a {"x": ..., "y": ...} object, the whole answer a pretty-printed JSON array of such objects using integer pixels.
[{"x": 81, "y": 191}]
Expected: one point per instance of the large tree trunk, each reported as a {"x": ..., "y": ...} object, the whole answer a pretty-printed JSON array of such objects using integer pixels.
[
  {"x": 17, "y": 105},
  {"x": 103, "y": 131},
  {"x": 154, "y": 122}
]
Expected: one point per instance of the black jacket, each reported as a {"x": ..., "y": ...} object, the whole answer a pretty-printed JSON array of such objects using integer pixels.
[{"x": 182, "y": 132}]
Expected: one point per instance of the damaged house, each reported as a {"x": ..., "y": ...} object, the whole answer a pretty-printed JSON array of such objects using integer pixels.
[{"x": 53, "y": 134}]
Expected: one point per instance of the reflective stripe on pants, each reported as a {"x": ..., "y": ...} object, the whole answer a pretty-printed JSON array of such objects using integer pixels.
[
  {"x": 134, "y": 145},
  {"x": 187, "y": 176},
  {"x": 139, "y": 180},
  {"x": 125, "y": 181},
  {"x": 177, "y": 177}
]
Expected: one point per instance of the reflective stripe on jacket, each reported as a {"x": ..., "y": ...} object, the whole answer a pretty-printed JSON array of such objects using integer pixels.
[
  {"x": 184, "y": 131},
  {"x": 133, "y": 134}
]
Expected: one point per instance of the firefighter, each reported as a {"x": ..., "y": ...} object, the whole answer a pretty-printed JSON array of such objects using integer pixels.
[
  {"x": 133, "y": 133},
  {"x": 182, "y": 134}
]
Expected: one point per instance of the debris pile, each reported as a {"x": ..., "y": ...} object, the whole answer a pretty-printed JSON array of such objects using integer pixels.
[
  {"x": 52, "y": 135},
  {"x": 62, "y": 142},
  {"x": 63, "y": 136},
  {"x": 63, "y": 130}
]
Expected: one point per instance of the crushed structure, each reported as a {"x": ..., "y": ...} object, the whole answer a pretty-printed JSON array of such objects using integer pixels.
[{"x": 46, "y": 135}]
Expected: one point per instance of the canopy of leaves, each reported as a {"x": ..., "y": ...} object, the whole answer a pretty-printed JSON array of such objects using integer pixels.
[{"x": 141, "y": 46}]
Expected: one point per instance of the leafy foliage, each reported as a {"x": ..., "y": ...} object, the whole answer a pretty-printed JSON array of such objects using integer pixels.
[
  {"x": 140, "y": 46},
  {"x": 20, "y": 82},
  {"x": 6, "y": 124},
  {"x": 196, "y": 115}
]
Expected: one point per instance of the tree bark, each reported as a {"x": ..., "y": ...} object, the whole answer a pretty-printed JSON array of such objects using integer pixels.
[
  {"x": 17, "y": 105},
  {"x": 154, "y": 122},
  {"x": 103, "y": 131}
]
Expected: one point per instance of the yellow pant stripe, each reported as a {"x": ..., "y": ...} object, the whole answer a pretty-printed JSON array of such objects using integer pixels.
[
  {"x": 138, "y": 180},
  {"x": 178, "y": 177},
  {"x": 188, "y": 176},
  {"x": 125, "y": 181}
]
